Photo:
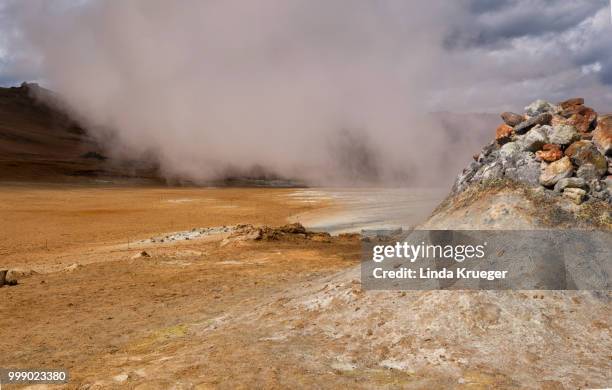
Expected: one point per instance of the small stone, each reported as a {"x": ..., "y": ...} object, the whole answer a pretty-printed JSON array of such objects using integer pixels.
[
  {"x": 140, "y": 255},
  {"x": 121, "y": 378},
  {"x": 563, "y": 135},
  {"x": 556, "y": 171},
  {"x": 570, "y": 182},
  {"x": 549, "y": 153},
  {"x": 503, "y": 134},
  {"x": 73, "y": 267},
  {"x": 512, "y": 119},
  {"x": 585, "y": 152},
  {"x": 574, "y": 194},
  {"x": 542, "y": 119},
  {"x": 534, "y": 140},
  {"x": 538, "y": 107}
]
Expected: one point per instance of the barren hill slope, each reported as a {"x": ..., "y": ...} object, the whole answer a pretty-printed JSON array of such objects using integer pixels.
[{"x": 41, "y": 143}]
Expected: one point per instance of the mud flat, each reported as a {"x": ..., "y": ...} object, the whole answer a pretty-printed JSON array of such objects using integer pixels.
[{"x": 354, "y": 209}]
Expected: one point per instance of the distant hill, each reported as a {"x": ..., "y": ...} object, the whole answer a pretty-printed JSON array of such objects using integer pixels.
[{"x": 39, "y": 142}]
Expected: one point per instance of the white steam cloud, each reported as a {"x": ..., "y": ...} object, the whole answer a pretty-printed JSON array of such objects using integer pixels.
[{"x": 326, "y": 91}]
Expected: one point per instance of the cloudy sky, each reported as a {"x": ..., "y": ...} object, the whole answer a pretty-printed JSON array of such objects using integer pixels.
[
  {"x": 285, "y": 83},
  {"x": 494, "y": 53}
]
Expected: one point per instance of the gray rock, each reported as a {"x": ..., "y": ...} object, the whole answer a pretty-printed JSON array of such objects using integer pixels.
[
  {"x": 540, "y": 106},
  {"x": 524, "y": 168},
  {"x": 510, "y": 150},
  {"x": 464, "y": 178},
  {"x": 534, "y": 139},
  {"x": 556, "y": 171},
  {"x": 490, "y": 171},
  {"x": 570, "y": 182},
  {"x": 541, "y": 119},
  {"x": 588, "y": 172},
  {"x": 608, "y": 182},
  {"x": 563, "y": 135}
]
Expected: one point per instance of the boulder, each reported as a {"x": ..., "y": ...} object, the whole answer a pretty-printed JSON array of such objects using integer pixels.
[
  {"x": 534, "y": 140},
  {"x": 512, "y": 119},
  {"x": 576, "y": 195},
  {"x": 556, "y": 171},
  {"x": 570, "y": 182},
  {"x": 563, "y": 135},
  {"x": 587, "y": 172},
  {"x": 549, "y": 153},
  {"x": 585, "y": 152},
  {"x": 539, "y": 106},
  {"x": 503, "y": 134},
  {"x": 602, "y": 136},
  {"x": 541, "y": 119}
]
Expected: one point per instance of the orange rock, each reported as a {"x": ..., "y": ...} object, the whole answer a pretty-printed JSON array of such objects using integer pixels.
[
  {"x": 602, "y": 136},
  {"x": 582, "y": 119},
  {"x": 503, "y": 133},
  {"x": 549, "y": 153},
  {"x": 571, "y": 103}
]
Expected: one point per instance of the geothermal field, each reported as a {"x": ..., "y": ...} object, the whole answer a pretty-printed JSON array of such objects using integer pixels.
[{"x": 303, "y": 194}]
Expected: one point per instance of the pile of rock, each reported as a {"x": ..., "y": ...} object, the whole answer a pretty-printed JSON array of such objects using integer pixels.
[{"x": 564, "y": 148}]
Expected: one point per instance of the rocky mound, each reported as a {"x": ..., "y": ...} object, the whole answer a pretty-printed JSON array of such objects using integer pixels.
[{"x": 564, "y": 149}]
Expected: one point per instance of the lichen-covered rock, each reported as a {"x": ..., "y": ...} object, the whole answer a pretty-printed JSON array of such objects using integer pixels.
[
  {"x": 540, "y": 106},
  {"x": 509, "y": 150},
  {"x": 524, "y": 168},
  {"x": 556, "y": 171},
  {"x": 512, "y": 119},
  {"x": 534, "y": 140},
  {"x": 585, "y": 152},
  {"x": 570, "y": 182},
  {"x": 602, "y": 136},
  {"x": 541, "y": 119},
  {"x": 549, "y": 153},
  {"x": 503, "y": 134},
  {"x": 563, "y": 135}
]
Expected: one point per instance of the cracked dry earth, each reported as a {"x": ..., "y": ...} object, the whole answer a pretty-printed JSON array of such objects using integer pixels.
[{"x": 284, "y": 314}]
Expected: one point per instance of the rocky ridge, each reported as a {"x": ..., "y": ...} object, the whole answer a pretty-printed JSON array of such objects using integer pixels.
[{"x": 564, "y": 150}]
